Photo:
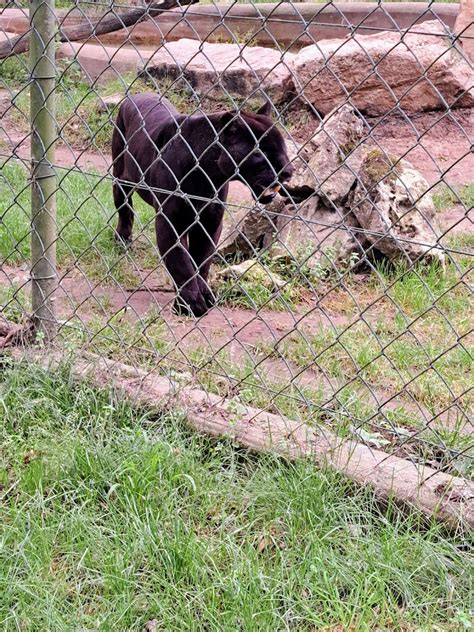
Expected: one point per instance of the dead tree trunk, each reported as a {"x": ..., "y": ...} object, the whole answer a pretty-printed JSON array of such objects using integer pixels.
[{"x": 108, "y": 23}]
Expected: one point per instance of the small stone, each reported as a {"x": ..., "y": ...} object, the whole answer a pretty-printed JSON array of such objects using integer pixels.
[
  {"x": 252, "y": 271},
  {"x": 109, "y": 103}
]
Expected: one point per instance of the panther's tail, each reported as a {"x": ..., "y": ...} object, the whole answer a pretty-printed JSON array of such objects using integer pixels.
[{"x": 118, "y": 144}]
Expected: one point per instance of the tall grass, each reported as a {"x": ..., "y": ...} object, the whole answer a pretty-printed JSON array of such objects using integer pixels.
[
  {"x": 86, "y": 219},
  {"x": 112, "y": 517}
]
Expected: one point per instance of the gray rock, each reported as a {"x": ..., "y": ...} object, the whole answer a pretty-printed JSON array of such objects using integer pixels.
[
  {"x": 318, "y": 227},
  {"x": 218, "y": 70},
  {"x": 330, "y": 161},
  {"x": 252, "y": 271},
  {"x": 394, "y": 207},
  {"x": 316, "y": 237},
  {"x": 101, "y": 64},
  {"x": 389, "y": 213},
  {"x": 247, "y": 230},
  {"x": 357, "y": 203}
]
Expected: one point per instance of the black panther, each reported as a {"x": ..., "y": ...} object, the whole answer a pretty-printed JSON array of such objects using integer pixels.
[{"x": 182, "y": 165}]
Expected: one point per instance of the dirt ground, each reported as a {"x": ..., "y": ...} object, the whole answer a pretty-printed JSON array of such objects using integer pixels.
[
  {"x": 437, "y": 145},
  {"x": 245, "y": 335}
]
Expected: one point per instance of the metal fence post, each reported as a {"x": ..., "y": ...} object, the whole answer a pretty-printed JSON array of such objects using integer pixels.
[{"x": 43, "y": 176}]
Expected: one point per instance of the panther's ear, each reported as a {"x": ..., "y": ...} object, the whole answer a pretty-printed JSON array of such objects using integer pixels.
[
  {"x": 230, "y": 122},
  {"x": 266, "y": 109}
]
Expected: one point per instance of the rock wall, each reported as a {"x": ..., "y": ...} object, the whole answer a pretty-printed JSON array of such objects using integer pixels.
[{"x": 415, "y": 70}]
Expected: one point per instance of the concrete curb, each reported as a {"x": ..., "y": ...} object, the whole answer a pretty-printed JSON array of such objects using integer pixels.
[{"x": 289, "y": 24}]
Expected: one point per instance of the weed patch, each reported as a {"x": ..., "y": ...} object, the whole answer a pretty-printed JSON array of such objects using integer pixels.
[{"x": 446, "y": 197}]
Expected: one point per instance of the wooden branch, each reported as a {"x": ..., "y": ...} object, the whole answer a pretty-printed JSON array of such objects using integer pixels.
[
  {"x": 434, "y": 493},
  {"x": 108, "y": 23},
  {"x": 12, "y": 334}
]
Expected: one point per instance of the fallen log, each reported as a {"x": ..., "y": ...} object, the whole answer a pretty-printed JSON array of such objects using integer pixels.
[
  {"x": 434, "y": 493},
  {"x": 108, "y": 23}
]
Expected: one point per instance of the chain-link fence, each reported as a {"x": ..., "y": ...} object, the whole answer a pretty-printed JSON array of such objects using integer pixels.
[{"x": 272, "y": 203}]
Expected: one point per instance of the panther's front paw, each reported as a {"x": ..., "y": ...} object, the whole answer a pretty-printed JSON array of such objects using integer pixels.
[
  {"x": 190, "y": 305},
  {"x": 207, "y": 294}
]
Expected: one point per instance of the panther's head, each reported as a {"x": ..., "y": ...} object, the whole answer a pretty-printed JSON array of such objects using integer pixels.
[{"x": 254, "y": 151}]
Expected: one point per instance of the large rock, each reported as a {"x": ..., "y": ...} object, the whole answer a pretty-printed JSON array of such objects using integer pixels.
[
  {"x": 393, "y": 206},
  {"x": 309, "y": 233},
  {"x": 248, "y": 229},
  {"x": 416, "y": 70},
  {"x": 388, "y": 214},
  {"x": 318, "y": 238},
  {"x": 464, "y": 27},
  {"x": 217, "y": 69},
  {"x": 330, "y": 161},
  {"x": 101, "y": 64},
  {"x": 378, "y": 207}
]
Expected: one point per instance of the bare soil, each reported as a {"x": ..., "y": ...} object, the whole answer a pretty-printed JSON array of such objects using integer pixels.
[
  {"x": 457, "y": 220},
  {"x": 437, "y": 144}
]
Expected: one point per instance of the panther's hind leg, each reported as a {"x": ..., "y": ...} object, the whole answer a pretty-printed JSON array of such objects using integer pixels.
[{"x": 124, "y": 205}]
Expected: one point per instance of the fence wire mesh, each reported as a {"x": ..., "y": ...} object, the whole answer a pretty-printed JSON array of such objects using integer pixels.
[{"x": 343, "y": 301}]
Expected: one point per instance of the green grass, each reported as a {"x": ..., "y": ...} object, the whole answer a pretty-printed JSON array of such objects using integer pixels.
[
  {"x": 446, "y": 197},
  {"x": 80, "y": 123},
  {"x": 80, "y": 120},
  {"x": 426, "y": 290},
  {"x": 359, "y": 360},
  {"x": 420, "y": 345},
  {"x": 430, "y": 370},
  {"x": 86, "y": 220},
  {"x": 14, "y": 72},
  {"x": 112, "y": 517}
]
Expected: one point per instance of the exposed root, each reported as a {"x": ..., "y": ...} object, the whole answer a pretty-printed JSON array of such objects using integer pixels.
[{"x": 12, "y": 334}]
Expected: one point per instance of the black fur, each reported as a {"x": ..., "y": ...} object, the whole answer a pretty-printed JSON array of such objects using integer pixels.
[{"x": 165, "y": 157}]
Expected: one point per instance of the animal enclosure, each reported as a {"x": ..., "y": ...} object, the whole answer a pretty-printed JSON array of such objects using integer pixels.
[{"x": 343, "y": 306}]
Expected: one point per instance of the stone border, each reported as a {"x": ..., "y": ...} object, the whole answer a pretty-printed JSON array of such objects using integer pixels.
[{"x": 289, "y": 24}]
